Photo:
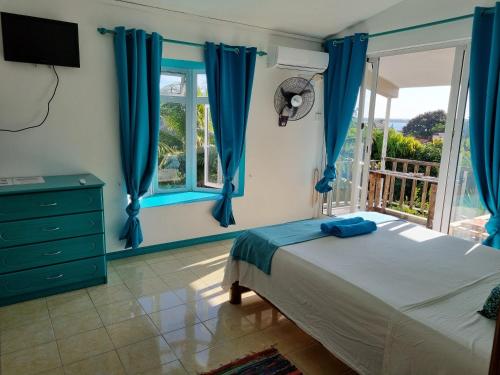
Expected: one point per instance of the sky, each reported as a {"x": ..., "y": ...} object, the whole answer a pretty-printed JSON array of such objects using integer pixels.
[{"x": 412, "y": 102}]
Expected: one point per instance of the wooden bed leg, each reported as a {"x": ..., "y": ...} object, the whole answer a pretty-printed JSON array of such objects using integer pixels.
[{"x": 235, "y": 294}]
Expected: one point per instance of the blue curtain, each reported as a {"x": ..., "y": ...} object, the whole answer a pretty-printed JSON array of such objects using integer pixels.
[
  {"x": 138, "y": 63},
  {"x": 341, "y": 82},
  {"x": 485, "y": 114},
  {"x": 230, "y": 72}
]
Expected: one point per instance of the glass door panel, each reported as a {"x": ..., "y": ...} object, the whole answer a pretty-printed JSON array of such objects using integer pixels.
[
  {"x": 468, "y": 215},
  {"x": 409, "y": 120}
]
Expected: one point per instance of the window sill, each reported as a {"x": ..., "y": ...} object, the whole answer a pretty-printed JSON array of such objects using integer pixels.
[{"x": 171, "y": 199}]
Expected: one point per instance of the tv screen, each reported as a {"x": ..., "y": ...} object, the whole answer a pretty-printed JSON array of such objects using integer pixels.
[{"x": 39, "y": 40}]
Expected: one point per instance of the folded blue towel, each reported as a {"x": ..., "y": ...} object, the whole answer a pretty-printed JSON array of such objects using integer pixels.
[
  {"x": 327, "y": 227},
  {"x": 344, "y": 231}
]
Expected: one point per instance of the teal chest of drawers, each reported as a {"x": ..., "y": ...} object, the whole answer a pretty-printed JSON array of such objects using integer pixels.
[{"x": 51, "y": 237}]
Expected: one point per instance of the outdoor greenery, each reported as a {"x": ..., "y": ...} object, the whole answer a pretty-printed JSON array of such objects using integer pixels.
[
  {"x": 405, "y": 147},
  {"x": 427, "y": 124},
  {"x": 414, "y": 143},
  {"x": 172, "y": 144}
]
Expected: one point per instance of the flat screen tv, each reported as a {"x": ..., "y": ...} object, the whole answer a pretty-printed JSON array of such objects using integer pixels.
[{"x": 39, "y": 40}]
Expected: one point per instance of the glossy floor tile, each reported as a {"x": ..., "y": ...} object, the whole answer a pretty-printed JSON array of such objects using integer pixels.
[
  {"x": 69, "y": 303},
  {"x": 119, "y": 311},
  {"x": 26, "y": 336},
  {"x": 23, "y": 313},
  {"x": 132, "y": 330},
  {"x": 84, "y": 345},
  {"x": 31, "y": 361},
  {"x": 145, "y": 355},
  {"x": 174, "y": 318},
  {"x": 191, "y": 339},
  {"x": 105, "y": 364},
  {"x": 159, "y": 301},
  {"x": 161, "y": 313},
  {"x": 72, "y": 324}
]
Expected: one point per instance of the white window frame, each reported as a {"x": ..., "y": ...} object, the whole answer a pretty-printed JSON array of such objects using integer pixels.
[{"x": 191, "y": 100}]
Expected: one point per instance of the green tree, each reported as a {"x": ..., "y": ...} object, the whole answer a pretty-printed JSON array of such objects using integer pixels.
[
  {"x": 438, "y": 128},
  {"x": 173, "y": 127},
  {"x": 425, "y": 125},
  {"x": 398, "y": 145}
]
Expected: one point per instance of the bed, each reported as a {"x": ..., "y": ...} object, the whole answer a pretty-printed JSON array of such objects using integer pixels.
[{"x": 402, "y": 300}]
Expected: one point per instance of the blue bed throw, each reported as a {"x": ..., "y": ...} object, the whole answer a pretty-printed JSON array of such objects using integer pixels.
[{"x": 257, "y": 246}]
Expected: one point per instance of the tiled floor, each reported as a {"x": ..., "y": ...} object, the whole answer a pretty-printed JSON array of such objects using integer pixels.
[{"x": 161, "y": 313}]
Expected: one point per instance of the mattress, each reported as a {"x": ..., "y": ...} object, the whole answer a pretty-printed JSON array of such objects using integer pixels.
[{"x": 402, "y": 300}]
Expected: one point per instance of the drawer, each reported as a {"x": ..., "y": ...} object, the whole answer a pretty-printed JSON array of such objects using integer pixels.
[
  {"x": 49, "y": 277},
  {"x": 24, "y": 232},
  {"x": 46, "y": 253},
  {"x": 26, "y": 206}
]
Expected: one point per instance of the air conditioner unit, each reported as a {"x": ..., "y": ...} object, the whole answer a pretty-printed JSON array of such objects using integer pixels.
[{"x": 298, "y": 59}]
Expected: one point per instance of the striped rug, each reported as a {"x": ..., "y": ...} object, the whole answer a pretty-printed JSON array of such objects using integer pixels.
[{"x": 267, "y": 362}]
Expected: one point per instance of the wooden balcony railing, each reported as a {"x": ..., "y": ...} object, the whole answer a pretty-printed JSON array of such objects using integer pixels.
[{"x": 382, "y": 189}]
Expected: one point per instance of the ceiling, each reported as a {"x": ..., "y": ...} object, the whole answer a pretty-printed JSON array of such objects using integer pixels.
[
  {"x": 315, "y": 18},
  {"x": 419, "y": 69}
]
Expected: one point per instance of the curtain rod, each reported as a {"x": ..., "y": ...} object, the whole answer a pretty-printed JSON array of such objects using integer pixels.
[
  {"x": 103, "y": 31},
  {"x": 415, "y": 27}
]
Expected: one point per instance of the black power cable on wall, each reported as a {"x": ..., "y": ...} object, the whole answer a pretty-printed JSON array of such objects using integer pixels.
[{"x": 46, "y": 114}]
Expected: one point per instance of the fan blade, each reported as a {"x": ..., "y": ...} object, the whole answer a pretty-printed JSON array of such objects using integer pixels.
[
  {"x": 286, "y": 111},
  {"x": 287, "y": 95},
  {"x": 306, "y": 91},
  {"x": 294, "y": 111}
]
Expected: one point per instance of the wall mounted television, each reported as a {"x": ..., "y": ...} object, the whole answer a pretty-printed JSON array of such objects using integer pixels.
[{"x": 39, "y": 40}]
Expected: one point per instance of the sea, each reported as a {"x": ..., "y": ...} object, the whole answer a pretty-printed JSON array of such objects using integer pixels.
[{"x": 398, "y": 124}]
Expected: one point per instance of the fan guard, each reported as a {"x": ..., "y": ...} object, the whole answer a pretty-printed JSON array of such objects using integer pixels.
[{"x": 293, "y": 99}]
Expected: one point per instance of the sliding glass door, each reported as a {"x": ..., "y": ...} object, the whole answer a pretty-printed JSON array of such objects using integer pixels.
[
  {"x": 467, "y": 215},
  {"x": 463, "y": 214},
  {"x": 412, "y": 158}
]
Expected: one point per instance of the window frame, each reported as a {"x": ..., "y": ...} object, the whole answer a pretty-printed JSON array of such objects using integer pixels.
[
  {"x": 191, "y": 69},
  {"x": 183, "y": 100}
]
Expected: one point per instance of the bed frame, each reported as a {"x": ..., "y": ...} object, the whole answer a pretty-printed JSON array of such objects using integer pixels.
[{"x": 237, "y": 290}]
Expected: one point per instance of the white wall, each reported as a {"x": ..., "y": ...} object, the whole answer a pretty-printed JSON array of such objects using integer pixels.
[
  {"x": 412, "y": 12},
  {"x": 81, "y": 134}
]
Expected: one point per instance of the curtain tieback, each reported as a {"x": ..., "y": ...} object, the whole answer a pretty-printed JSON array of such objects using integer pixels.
[
  {"x": 330, "y": 174},
  {"x": 228, "y": 188},
  {"x": 493, "y": 225},
  {"x": 133, "y": 207}
]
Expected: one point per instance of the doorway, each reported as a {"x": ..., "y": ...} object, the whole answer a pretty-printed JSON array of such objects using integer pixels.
[{"x": 406, "y": 153}]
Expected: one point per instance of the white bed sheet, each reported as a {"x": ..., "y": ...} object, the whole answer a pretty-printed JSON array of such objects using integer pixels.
[{"x": 363, "y": 298}]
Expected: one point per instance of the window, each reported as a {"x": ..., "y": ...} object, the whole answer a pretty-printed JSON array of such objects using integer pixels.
[{"x": 187, "y": 155}]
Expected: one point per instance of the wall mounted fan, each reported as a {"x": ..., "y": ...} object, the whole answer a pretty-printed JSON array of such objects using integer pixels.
[{"x": 293, "y": 99}]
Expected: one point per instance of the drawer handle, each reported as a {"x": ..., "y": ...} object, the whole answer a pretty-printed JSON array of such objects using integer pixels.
[
  {"x": 51, "y": 229},
  {"x": 53, "y": 253},
  {"x": 48, "y": 204},
  {"x": 54, "y": 277}
]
